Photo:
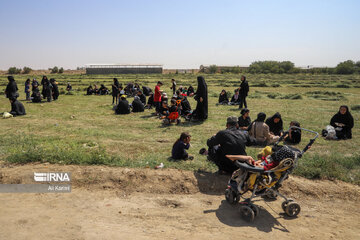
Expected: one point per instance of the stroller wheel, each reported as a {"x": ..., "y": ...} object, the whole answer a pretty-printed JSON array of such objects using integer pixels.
[
  {"x": 231, "y": 196},
  {"x": 285, "y": 203},
  {"x": 292, "y": 209},
  {"x": 247, "y": 213},
  {"x": 254, "y": 208}
]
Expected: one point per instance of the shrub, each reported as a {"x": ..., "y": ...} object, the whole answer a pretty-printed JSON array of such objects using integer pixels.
[
  {"x": 14, "y": 70},
  {"x": 213, "y": 69},
  {"x": 355, "y": 107},
  {"x": 347, "y": 67},
  {"x": 55, "y": 69},
  {"x": 342, "y": 86},
  {"x": 271, "y": 67},
  {"x": 26, "y": 70}
]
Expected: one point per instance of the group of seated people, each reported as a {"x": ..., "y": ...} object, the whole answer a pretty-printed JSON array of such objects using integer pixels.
[
  {"x": 96, "y": 90},
  {"x": 137, "y": 105},
  {"x": 268, "y": 131},
  {"x": 187, "y": 91},
  {"x": 178, "y": 104},
  {"x": 229, "y": 145},
  {"x": 50, "y": 90},
  {"x": 224, "y": 98}
]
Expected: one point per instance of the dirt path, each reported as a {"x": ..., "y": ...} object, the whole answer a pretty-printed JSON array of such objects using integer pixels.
[{"x": 120, "y": 203}]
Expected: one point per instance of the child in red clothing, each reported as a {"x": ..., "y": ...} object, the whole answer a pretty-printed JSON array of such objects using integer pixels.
[{"x": 157, "y": 96}]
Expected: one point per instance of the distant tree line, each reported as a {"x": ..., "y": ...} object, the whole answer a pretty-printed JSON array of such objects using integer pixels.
[
  {"x": 265, "y": 67},
  {"x": 27, "y": 70}
]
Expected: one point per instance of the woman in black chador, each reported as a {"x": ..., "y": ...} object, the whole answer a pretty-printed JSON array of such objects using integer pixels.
[
  {"x": 11, "y": 88},
  {"x": 201, "y": 96},
  {"x": 343, "y": 122}
]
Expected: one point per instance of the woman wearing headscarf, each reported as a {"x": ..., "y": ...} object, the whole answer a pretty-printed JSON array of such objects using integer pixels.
[
  {"x": 201, "y": 96},
  {"x": 17, "y": 108},
  {"x": 275, "y": 124},
  {"x": 55, "y": 89},
  {"x": 115, "y": 91},
  {"x": 44, "y": 83},
  {"x": 11, "y": 88},
  {"x": 260, "y": 131},
  {"x": 343, "y": 122},
  {"x": 190, "y": 91},
  {"x": 244, "y": 120},
  {"x": 48, "y": 90},
  {"x": 223, "y": 98}
]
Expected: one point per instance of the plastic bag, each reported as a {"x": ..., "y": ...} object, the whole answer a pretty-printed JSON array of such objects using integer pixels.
[
  {"x": 331, "y": 133},
  {"x": 7, "y": 115}
]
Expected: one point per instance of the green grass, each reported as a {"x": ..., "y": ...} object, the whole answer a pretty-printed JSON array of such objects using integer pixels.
[{"x": 79, "y": 129}]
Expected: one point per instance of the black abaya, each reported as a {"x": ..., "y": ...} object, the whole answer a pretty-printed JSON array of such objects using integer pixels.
[
  {"x": 11, "y": 88},
  {"x": 201, "y": 111},
  {"x": 343, "y": 132},
  {"x": 17, "y": 108},
  {"x": 275, "y": 128}
]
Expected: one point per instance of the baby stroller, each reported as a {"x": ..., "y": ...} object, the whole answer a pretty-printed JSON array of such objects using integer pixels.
[
  {"x": 266, "y": 183},
  {"x": 173, "y": 116}
]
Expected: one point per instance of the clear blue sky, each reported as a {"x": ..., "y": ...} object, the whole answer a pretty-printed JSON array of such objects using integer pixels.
[{"x": 178, "y": 34}]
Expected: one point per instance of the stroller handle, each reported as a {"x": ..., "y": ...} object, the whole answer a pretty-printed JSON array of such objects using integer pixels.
[{"x": 311, "y": 142}]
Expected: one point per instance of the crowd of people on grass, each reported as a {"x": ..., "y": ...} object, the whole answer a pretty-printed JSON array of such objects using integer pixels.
[
  {"x": 239, "y": 97},
  {"x": 167, "y": 108},
  {"x": 223, "y": 148}
]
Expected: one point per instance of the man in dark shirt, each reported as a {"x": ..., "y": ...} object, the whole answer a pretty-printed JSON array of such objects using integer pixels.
[
  {"x": 244, "y": 90},
  {"x": 123, "y": 107},
  {"x": 137, "y": 105},
  {"x": 142, "y": 97},
  {"x": 173, "y": 86},
  {"x": 228, "y": 142}
]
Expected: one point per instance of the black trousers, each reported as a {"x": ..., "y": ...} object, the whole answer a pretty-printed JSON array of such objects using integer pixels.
[
  {"x": 157, "y": 106},
  {"x": 242, "y": 101},
  {"x": 216, "y": 156}
]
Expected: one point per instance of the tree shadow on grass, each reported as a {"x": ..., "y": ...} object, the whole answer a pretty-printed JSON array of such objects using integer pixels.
[{"x": 229, "y": 214}]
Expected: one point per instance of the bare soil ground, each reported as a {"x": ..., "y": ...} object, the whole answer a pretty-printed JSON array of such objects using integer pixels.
[{"x": 122, "y": 203}]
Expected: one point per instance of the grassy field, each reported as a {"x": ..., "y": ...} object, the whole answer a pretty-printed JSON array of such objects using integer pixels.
[{"x": 79, "y": 129}]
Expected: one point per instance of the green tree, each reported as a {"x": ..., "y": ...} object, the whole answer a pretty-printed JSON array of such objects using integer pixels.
[
  {"x": 213, "y": 69},
  {"x": 287, "y": 66},
  {"x": 14, "y": 70},
  {"x": 61, "y": 70},
  {"x": 347, "y": 67},
  {"x": 55, "y": 69},
  {"x": 26, "y": 70}
]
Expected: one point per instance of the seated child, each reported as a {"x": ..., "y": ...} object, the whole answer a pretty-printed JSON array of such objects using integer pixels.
[
  {"x": 164, "y": 110},
  {"x": 264, "y": 159},
  {"x": 36, "y": 96},
  {"x": 180, "y": 146},
  {"x": 173, "y": 107},
  {"x": 294, "y": 135}
]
